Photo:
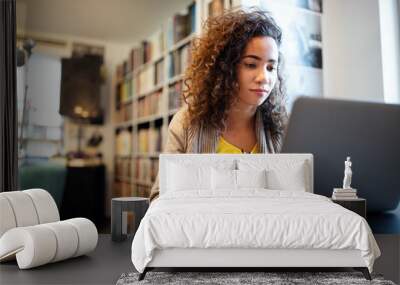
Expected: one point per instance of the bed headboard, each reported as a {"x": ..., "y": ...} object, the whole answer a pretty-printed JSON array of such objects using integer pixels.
[{"x": 277, "y": 162}]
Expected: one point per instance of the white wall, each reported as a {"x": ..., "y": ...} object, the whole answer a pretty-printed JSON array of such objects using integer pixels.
[
  {"x": 352, "y": 50},
  {"x": 361, "y": 50},
  {"x": 390, "y": 42}
]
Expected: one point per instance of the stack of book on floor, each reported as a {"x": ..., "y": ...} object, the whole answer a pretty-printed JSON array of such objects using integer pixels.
[{"x": 344, "y": 194}]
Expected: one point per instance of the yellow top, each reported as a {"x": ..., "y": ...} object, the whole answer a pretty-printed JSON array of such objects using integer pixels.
[{"x": 225, "y": 147}]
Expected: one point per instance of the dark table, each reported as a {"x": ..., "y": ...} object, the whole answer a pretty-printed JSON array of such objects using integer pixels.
[{"x": 84, "y": 193}]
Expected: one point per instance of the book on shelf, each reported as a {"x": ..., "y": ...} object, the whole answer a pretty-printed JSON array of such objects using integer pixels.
[
  {"x": 146, "y": 47},
  {"x": 126, "y": 91},
  {"x": 159, "y": 72},
  {"x": 215, "y": 8},
  {"x": 149, "y": 140},
  {"x": 174, "y": 95},
  {"x": 157, "y": 44},
  {"x": 192, "y": 17},
  {"x": 123, "y": 92},
  {"x": 143, "y": 191},
  {"x": 119, "y": 73},
  {"x": 154, "y": 137},
  {"x": 124, "y": 113},
  {"x": 179, "y": 60},
  {"x": 123, "y": 142},
  {"x": 123, "y": 169},
  {"x": 122, "y": 189},
  {"x": 146, "y": 79},
  {"x": 174, "y": 64},
  {"x": 181, "y": 25},
  {"x": 136, "y": 58},
  {"x": 126, "y": 67},
  {"x": 185, "y": 55},
  {"x": 150, "y": 104},
  {"x": 146, "y": 170}
]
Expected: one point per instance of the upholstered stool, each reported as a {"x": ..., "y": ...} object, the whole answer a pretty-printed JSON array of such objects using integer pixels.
[{"x": 119, "y": 207}]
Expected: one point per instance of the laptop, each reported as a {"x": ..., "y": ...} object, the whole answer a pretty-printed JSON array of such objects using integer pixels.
[{"x": 367, "y": 132}]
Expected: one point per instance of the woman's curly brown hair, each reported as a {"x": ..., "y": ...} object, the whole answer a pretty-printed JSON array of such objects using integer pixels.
[{"x": 211, "y": 78}]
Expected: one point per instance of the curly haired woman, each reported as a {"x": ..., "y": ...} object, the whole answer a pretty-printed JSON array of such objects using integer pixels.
[{"x": 234, "y": 89}]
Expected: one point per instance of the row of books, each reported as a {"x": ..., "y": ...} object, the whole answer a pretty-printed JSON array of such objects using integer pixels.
[
  {"x": 145, "y": 172},
  {"x": 148, "y": 50},
  {"x": 122, "y": 189},
  {"x": 123, "y": 169},
  {"x": 150, "y": 140},
  {"x": 179, "y": 60},
  {"x": 146, "y": 169},
  {"x": 142, "y": 82},
  {"x": 150, "y": 105},
  {"x": 124, "y": 113},
  {"x": 123, "y": 142},
  {"x": 123, "y": 92},
  {"x": 181, "y": 25},
  {"x": 146, "y": 80},
  {"x": 174, "y": 95},
  {"x": 127, "y": 189},
  {"x": 142, "y": 191}
]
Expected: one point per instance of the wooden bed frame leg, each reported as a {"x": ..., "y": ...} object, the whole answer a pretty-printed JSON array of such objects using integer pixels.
[
  {"x": 364, "y": 271},
  {"x": 143, "y": 274}
]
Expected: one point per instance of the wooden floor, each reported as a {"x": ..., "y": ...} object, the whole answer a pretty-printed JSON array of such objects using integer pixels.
[{"x": 102, "y": 266}]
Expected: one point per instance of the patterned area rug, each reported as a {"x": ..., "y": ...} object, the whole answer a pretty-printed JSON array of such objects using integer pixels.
[{"x": 225, "y": 278}]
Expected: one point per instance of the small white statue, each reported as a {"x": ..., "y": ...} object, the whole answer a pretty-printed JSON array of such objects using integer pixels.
[{"x": 347, "y": 174}]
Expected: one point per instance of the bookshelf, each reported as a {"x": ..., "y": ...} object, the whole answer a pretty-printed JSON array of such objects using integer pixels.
[
  {"x": 147, "y": 88},
  {"x": 148, "y": 84}
]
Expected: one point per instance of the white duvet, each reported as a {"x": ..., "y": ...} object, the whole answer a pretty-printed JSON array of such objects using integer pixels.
[{"x": 253, "y": 218}]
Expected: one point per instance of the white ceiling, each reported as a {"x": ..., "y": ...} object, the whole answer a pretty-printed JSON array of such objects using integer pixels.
[{"x": 122, "y": 21}]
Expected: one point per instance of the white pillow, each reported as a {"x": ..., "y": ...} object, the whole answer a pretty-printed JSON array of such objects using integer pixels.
[
  {"x": 235, "y": 179},
  {"x": 293, "y": 179},
  {"x": 251, "y": 178},
  {"x": 182, "y": 177},
  {"x": 223, "y": 179},
  {"x": 282, "y": 174}
]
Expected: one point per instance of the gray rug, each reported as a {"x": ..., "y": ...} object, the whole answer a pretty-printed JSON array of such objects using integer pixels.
[{"x": 228, "y": 278}]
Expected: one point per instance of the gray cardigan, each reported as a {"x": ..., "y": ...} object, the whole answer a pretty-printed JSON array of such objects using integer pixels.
[{"x": 205, "y": 140}]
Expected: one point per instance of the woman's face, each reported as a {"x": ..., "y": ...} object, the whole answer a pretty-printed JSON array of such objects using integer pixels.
[{"x": 257, "y": 70}]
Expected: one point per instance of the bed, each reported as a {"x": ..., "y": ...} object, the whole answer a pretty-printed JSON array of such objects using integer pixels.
[{"x": 245, "y": 211}]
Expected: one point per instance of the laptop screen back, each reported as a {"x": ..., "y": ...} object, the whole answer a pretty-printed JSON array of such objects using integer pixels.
[{"x": 367, "y": 132}]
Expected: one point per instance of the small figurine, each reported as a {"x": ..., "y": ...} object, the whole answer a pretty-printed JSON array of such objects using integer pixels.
[{"x": 347, "y": 174}]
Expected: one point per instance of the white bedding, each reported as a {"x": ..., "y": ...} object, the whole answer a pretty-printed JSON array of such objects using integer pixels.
[{"x": 251, "y": 218}]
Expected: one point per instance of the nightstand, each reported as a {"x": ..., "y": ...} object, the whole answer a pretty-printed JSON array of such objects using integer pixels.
[
  {"x": 358, "y": 206},
  {"x": 119, "y": 207}
]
